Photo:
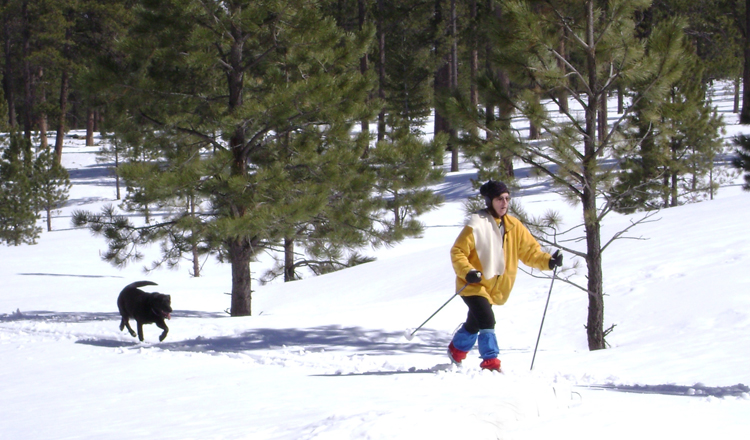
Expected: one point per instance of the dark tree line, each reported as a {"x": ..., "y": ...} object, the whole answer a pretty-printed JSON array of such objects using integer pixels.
[{"x": 421, "y": 49}]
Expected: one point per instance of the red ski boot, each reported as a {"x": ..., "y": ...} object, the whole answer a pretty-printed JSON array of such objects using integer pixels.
[
  {"x": 456, "y": 355},
  {"x": 490, "y": 364}
]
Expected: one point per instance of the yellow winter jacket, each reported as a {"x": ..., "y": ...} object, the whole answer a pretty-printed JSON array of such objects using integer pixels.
[{"x": 518, "y": 244}]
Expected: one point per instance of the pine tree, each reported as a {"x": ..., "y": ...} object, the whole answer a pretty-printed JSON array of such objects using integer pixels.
[
  {"x": 53, "y": 183},
  {"x": 333, "y": 207},
  {"x": 742, "y": 161},
  {"x": 714, "y": 27},
  {"x": 18, "y": 196},
  {"x": 409, "y": 65},
  {"x": 231, "y": 81},
  {"x": 601, "y": 49},
  {"x": 98, "y": 26},
  {"x": 680, "y": 136},
  {"x": 403, "y": 164},
  {"x": 29, "y": 183},
  {"x": 744, "y": 26}
]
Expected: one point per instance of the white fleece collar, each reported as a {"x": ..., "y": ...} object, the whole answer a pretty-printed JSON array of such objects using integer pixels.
[{"x": 488, "y": 241}]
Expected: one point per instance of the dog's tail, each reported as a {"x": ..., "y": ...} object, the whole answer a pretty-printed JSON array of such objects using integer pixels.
[{"x": 140, "y": 284}]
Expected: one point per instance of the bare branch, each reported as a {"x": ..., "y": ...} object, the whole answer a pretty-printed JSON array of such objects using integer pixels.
[
  {"x": 644, "y": 219},
  {"x": 563, "y": 279}
]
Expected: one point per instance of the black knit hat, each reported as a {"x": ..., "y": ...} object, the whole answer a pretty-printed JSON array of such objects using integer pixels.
[{"x": 492, "y": 189}]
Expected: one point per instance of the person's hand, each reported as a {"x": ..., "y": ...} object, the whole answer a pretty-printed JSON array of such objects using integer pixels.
[
  {"x": 473, "y": 277},
  {"x": 556, "y": 260}
]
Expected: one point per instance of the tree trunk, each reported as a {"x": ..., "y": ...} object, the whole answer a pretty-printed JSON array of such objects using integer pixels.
[
  {"x": 117, "y": 175},
  {"x": 64, "y": 87},
  {"x": 745, "y": 114},
  {"x": 442, "y": 74},
  {"x": 381, "y": 68},
  {"x": 8, "y": 73},
  {"x": 474, "y": 61},
  {"x": 196, "y": 261},
  {"x": 454, "y": 82},
  {"x": 505, "y": 110},
  {"x": 28, "y": 100},
  {"x": 595, "y": 321},
  {"x": 289, "y": 260},
  {"x": 240, "y": 248},
  {"x": 602, "y": 117},
  {"x": 363, "y": 67},
  {"x": 533, "y": 128},
  {"x": 90, "y": 117},
  {"x": 736, "y": 107},
  {"x": 562, "y": 92},
  {"x": 240, "y": 253},
  {"x": 43, "y": 144},
  {"x": 673, "y": 178},
  {"x": 489, "y": 70},
  {"x": 442, "y": 80},
  {"x": 194, "y": 247}
]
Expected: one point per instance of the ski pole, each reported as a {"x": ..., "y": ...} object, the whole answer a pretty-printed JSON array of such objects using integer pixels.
[
  {"x": 554, "y": 272},
  {"x": 410, "y": 335}
]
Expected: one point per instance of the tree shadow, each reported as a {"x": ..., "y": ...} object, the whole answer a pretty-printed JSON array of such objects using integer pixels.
[
  {"x": 413, "y": 370},
  {"x": 43, "y": 274},
  {"x": 456, "y": 187},
  {"x": 77, "y": 317},
  {"x": 329, "y": 338},
  {"x": 698, "y": 389},
  {"x": 332, "y": 338},
  {"x": 67, "y": 317},
  {"x": 98, "y": 174}
]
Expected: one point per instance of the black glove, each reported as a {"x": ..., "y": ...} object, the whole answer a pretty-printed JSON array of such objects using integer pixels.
[
  {"x": 556, "y": 260},
  {"x": 473, "y": 277}
]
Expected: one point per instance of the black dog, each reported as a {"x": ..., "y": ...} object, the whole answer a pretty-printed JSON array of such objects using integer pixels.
[{"x": 145, "y": 308}]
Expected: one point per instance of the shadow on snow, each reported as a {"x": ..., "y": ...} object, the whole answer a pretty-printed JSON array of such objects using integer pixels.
[
  {"x": 324, "y": 338},
  {"x": 73, "y": 317},
  {"x": 698, "y": 390},
  {"x": 316, "y": 339}
]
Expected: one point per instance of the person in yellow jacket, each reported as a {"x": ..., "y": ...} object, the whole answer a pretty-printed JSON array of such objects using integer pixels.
[{"x": 485, "y": 258}]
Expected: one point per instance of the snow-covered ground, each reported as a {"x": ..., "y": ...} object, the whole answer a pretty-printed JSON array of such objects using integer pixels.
[{"x": 326, "y": 357}]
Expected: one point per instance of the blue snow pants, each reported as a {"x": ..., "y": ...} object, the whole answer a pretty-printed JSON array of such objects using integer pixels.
[{"x": 479, "y": 325}]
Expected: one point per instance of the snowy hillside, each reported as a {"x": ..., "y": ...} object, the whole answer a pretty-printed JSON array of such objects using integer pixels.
[{"x": 326, "y": 357}]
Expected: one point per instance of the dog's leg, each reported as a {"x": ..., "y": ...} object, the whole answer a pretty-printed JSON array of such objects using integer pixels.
[
  {"x": 140, "y": 331},
  {"x": 125, "y": 323},
  {"x": 162, "y": 325}
]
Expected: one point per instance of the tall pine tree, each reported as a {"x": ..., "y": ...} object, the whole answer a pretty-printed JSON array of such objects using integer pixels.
[
  {"x": 601, "y": 49},
  {"x": 742, "y": 161},
  {"x": 30, "y": 182},
  {"x": 265, "y": 93},
  {"x": 679, "y": 137},
  {"x": 18, "y": 196}
]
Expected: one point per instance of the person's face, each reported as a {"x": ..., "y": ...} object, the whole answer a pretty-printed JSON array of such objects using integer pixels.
[{"x": 501, "y": 203}]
